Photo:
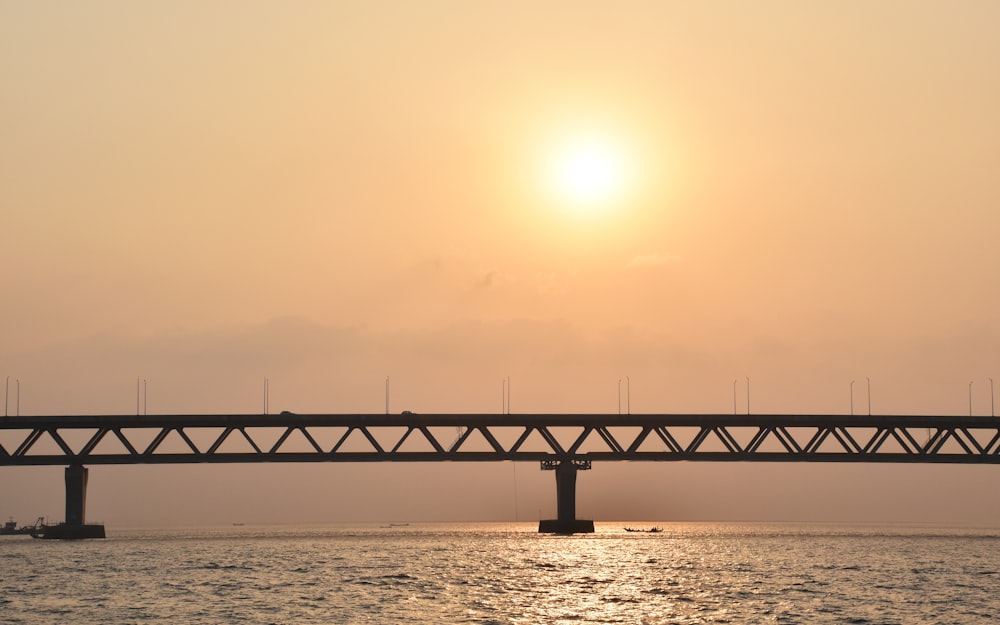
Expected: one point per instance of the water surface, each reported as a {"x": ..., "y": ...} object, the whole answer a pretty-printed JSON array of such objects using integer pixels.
[{"x": 506, "y": 574}]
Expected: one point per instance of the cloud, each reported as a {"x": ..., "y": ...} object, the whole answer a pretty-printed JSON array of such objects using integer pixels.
[{"x": 494, "y": 278}]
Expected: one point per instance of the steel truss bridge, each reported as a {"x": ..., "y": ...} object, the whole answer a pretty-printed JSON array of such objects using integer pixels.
[{"x": 562, "y": 442}]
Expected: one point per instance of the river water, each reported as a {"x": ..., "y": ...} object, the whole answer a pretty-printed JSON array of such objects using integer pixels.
[{"x": 506, "y": 574}]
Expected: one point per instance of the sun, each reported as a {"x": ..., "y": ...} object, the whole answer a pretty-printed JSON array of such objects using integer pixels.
[{"x": 587, "y": 176}]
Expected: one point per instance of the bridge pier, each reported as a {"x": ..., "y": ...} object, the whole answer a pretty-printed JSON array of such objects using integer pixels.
[
  {"x": 75, "y": 526},
  {"x": 76, "y": 495},
  {"x": 565, "y": 521}
]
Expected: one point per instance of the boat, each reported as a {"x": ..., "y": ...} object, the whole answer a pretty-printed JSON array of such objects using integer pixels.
[
  {"x": 652, "y": 530},
  {"x": 10, "y": 528}
]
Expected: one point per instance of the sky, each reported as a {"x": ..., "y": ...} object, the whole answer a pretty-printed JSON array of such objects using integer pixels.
[{"x": 326, "y": 194}]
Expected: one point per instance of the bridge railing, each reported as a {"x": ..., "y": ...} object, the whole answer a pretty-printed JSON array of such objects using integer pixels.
[{"x": 176, "y": 439}]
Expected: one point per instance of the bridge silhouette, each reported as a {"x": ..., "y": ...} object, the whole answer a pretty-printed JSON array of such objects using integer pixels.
[{"x": 563, "y": 443}]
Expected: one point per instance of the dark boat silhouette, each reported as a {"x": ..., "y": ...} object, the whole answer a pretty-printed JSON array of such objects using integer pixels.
[{"x": 10, "y": 528}]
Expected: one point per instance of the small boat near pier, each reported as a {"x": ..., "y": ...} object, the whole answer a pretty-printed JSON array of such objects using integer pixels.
[{"x": 10, "y": 528}]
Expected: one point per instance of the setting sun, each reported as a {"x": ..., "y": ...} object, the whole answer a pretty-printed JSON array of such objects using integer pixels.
[{"x": 588, "y": 175}]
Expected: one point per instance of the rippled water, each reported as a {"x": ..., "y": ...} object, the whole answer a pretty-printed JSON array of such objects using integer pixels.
[{"x": 506, "y": 574}]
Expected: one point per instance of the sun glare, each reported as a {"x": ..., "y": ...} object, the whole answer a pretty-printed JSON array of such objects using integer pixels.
[{"x": 587, "y": 176}]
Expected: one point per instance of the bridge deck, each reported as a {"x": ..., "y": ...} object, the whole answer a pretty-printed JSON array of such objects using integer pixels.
[{"x": 286, "y": 437}]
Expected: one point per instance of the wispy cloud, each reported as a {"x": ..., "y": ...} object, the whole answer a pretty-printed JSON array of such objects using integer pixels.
[{"x": 494, "y": 278}]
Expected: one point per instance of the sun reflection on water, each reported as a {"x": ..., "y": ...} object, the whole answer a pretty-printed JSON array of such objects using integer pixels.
[{"x": 509, "y": 574}]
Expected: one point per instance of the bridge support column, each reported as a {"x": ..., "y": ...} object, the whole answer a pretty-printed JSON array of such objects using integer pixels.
[
  {"x": 75, "y": 526},
  {"x": 76, "y": 495},
  {"x": 565, "y": 521}
]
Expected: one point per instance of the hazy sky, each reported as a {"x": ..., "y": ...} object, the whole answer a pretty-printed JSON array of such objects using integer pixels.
[{"x": 205, "y": 194}]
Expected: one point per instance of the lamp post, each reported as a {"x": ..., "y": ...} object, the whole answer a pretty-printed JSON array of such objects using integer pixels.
[
  {"x": 852, "y": 398},
  {"x": 869, "y": 396},
  {"x": 970, "y": 399},
  {"x": 993, "y": 411},
  {"x": 748, "y": 395},
  {"x": 735, "y": 382}
]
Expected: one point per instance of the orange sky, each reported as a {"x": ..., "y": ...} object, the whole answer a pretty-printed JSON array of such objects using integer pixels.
[{"x": 326, "y": 194}]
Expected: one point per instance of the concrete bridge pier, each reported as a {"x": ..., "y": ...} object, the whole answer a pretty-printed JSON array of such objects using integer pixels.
[
  {"x": 565, "y": 521},
  {"x": 76, "y": 495},
  {"x": 75, "y": 526}
]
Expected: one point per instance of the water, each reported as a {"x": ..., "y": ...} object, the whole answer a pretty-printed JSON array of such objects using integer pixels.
[{"x": 506, "y": 574}]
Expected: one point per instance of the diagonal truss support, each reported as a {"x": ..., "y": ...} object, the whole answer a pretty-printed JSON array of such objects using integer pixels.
[{"x": 103, "y": 439}]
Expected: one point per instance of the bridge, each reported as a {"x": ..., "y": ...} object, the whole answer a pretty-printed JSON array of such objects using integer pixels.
[{"x": 563, "y": 443}]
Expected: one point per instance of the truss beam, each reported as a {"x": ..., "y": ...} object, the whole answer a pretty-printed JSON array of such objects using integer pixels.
[{"x": 182, "y": 439}]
